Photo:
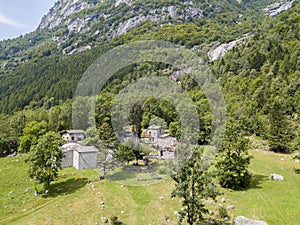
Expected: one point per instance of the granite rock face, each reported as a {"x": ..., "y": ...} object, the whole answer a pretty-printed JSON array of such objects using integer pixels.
[
  {"x": 107, "y": 19},
  {"x": 219, "y": 51},
  {"x": 61, "y": 11},
  {"x": 278, "y": 7}
]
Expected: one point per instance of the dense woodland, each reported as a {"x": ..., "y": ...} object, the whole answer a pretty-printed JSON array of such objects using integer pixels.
[{"x": 260, "y": 80}]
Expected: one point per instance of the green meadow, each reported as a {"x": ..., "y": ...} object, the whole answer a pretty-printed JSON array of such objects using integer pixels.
[{"x": 138, "y": 196}]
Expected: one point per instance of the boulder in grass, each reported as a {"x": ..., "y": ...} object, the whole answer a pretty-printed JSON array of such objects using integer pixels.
[
  {"x": 104, "y": 220},
  {"x": 241, "y": 220},
  {"x": 297, "y": 156},
  {"x": 231, "y": 207},
  {"x": 277, "y": 177}
]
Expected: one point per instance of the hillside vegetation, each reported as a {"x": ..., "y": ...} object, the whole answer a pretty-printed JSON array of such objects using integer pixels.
[
  {"x": 256, "y": 76},
  {"x": 142, "y": 202},
  {"x": 259, "y": 77},
  {"x": 34, "y": 67}
]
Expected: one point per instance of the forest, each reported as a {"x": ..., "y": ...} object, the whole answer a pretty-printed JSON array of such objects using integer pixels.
[{"x": 259, "y": 79}]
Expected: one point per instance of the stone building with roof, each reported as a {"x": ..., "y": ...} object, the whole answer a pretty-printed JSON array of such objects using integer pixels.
[
  {"x": 79, "y": 157},
  {"x": 75, "y": 154},
  {"x": 73, "y": 135},
  {"x": 163, "y": 142}
]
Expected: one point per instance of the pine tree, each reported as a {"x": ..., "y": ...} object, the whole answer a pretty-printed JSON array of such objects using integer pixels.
[
  {"x": 279, "y": 134},
  {"x": 233, "y": 159},
  {"x": 193, "y": 183}
]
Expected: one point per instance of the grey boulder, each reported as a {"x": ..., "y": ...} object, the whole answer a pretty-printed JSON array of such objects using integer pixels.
[
  {"x": 277, "y": 177},
  {"x": 241, "y": 220}
]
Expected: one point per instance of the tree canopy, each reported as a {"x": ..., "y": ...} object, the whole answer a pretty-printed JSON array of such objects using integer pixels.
[{"x": 44, "y": 159}]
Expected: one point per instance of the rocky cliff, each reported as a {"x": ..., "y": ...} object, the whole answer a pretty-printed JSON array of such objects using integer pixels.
[
  {"x": 278, "y": 7},
  {"x": 104, "y": 20}
]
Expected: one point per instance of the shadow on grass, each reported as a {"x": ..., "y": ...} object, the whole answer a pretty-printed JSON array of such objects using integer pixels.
[
  {"x": 297, "y": 171},
  {"x": 131, "y": 171},
  {"x": 256, "y": 181},
  {"x": 66, "y": 187},
  {"x": 121, "y": 175}
]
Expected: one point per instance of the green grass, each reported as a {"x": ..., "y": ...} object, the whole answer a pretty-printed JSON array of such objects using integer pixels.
[
  {"x": 138, "y": 193},
  {"x": 275, "y": 202},
  {"x": 138, "y": 175}
]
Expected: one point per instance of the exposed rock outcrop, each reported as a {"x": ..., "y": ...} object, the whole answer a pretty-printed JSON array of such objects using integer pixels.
[
  {"x": 68, "y": 14},
  {"x": 219, "y": 51},
  {"x": 62, "y": 10},
  {"x": 118, "y": 2},
  {"x": 158, "y": 15},
  {"x": 241, "y": 220},
  {"x": 278, "y": 7}
]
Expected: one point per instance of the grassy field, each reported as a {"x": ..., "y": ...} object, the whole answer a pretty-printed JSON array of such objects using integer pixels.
[
  {"x": 275, "y": 202},
  {"x": 139, "y": 197}
]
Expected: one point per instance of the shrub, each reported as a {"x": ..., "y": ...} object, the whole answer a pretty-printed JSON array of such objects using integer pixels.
[
  {"x": 114, "y": 221},
  {"x": 223, "y": 212}
]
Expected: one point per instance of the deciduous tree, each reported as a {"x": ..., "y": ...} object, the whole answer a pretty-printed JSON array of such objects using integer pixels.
[
  {"x": 31, "y": 133},
  {"x": 45, "y": 157},
  {"x": 124, "y": 153}
]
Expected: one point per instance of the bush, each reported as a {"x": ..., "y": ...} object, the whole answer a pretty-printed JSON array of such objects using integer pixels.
[
  {"x": 223, "y": 212},
  {"x": 114, "y": 221}
]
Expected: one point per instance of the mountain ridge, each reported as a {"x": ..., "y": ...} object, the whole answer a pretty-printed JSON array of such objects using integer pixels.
[
  {"x": 97, "y": 21},
  {"x": 28, "y": 62}
]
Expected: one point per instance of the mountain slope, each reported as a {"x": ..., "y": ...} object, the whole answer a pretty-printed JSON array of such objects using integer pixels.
[
  {"x": 72, "y": 26},
  {"x": 43, "y": 65}
]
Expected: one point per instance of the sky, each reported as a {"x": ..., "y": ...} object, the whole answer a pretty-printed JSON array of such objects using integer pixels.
[{"x": 21, "y": 16}]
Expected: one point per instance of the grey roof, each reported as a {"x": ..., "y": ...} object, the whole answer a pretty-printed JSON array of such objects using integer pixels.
[
  {"x": 164, "y": 135},
  {"x": 83, "y": 149},
  {"x": 74, "y": 131},
  {"x": 70, "y": 147},
  {"x": 153, "y": 127}
]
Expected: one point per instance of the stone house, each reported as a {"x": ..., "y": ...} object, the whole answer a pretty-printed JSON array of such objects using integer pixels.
[
  {"x": 127, "y": 135},
  {"x": 85, "y": 157},
  {"x": 79, "y": 156},
  {"x": 73, "y": 135},
  {"x": 166, "y": 153},
  {"x": 68, "y": 150},
  {"x": 163, "y": 142},
  {"x": 153, "y": 133}
]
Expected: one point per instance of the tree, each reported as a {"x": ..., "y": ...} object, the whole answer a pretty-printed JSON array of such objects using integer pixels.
[
  {"x": 136, "y": 118},
  {"x": 279, "y": 134},
  {"x": 295, "y": 145},
  {"x": 124, "y": 153},
  {"x": 45, "y": 157},
  {"x": 193, "y": 183},
  {"x": 31, "y": 133},
  {"x": 8, "y": 136},
  {"x": 107, "y": 136},
  {"x": 108, "y": 142},
  {"x": 82, "y": 114},
  {"x": 233, "y": 159},
  {"x": 136, "y": 147}
]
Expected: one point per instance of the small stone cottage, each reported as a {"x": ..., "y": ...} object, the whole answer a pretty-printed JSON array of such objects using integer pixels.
[
  {"x": 85, "y": 157},
  {"x": 73, "y": 135},
  {"x": 153, "y": 133},
  {"x": 163, "y": 142},
  {"x": 80, "y": 157}
]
